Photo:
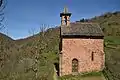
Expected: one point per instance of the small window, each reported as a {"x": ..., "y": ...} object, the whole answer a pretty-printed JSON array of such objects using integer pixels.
[
  {"x": 92, "y": 56},
  {"x": 65, "y": 19}
]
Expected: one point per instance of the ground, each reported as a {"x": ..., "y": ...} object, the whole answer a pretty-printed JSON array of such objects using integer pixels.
[
  {"x": 85, "y": 76},
  {"x": 88, "y": 78},
  {"x": 93, "y": 78}
]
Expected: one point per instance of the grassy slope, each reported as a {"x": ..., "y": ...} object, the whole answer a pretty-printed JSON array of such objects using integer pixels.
[
  {"x": 112, "y": 51},
  {"x": 109, "y": 22},
  {"x": 22, "y": 62}
]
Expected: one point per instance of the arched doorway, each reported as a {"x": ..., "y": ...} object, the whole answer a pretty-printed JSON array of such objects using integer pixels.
[{"x": 74, "y": 65}]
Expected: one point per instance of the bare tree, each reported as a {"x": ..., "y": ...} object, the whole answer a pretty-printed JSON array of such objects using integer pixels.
[
  {"x": 39, "y": 46},
  {"x": 2, "y": 6},
  {"x": 1, "y": 2},
  {"x": 43, "y": 28},
  {"x": 32, "y": 31}
]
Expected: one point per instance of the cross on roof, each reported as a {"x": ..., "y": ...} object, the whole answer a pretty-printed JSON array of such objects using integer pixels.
[{"x": 65, "y": 10}]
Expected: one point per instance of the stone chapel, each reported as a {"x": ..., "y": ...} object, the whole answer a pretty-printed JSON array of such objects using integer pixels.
[{"x": 81, "y": 46}]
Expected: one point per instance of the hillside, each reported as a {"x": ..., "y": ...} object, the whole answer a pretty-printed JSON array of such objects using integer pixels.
[
  {"x": 33, "y": 58},
  {"x": 109, "y": 22},
  {"x": 26, "y": 60}
]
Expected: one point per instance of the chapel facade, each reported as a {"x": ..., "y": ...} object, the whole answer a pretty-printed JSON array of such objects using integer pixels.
[{"x": 81, "y": 46}]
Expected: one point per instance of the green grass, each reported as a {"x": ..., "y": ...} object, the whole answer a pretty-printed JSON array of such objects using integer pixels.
[
  {"x": 115, "y": 40},
  {"x": 92, "y": 74},
  {"x": 112, "y": 57},
  {"x": 86, "y": 76}
]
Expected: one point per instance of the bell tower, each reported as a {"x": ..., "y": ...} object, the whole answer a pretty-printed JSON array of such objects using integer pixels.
[{"x": 65, "y": 17}]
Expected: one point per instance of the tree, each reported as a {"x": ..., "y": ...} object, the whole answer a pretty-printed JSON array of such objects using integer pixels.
[
  {"x": 38, "y": 46},
  {"x": 32, "y": 31},
  {"x": 82, "y": 20},
  {"x": 43, "y": 28},
  {"x": 2, "y": 41},
  {"x": 2, "y": 6}
]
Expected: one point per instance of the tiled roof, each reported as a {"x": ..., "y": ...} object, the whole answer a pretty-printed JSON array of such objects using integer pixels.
[{"x": 81, "y": 29}]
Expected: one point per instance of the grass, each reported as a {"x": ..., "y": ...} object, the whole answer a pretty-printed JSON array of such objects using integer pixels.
[
  {"x": 115, "y": 40},
  {"x": 84, "y": 76},
  {"x": 112, "y": 57}
]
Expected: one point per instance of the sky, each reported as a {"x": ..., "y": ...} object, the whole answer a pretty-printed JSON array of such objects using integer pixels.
[{"x": 23, "y": 16}]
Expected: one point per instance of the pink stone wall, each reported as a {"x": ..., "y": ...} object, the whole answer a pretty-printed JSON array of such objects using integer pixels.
[{"x": 81, "y": 49}]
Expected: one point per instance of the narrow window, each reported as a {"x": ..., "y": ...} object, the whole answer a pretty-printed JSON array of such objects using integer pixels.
[
  {"x": 74, "y": 65},
  {"x": 92, "y": 56}
]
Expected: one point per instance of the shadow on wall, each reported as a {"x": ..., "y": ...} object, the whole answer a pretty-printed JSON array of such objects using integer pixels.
[{"x": 57, "y": 68}]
